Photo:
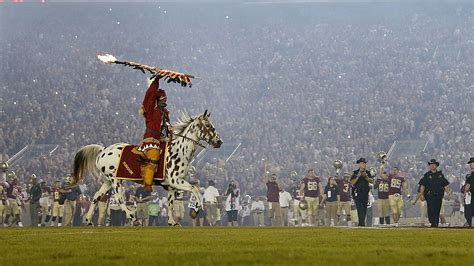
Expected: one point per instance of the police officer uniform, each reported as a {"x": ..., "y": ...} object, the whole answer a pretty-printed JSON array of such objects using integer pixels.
[
  {"x": 470, "y": 181},
  {"x": 433, "y": 184},
  {"x": 360, "y": 192}
]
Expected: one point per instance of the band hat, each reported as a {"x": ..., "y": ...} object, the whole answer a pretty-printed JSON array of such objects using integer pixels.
[
  {"x": 362, "y": 160},
  {"x": 471, "y": 160},
  {"x": 433, "y": 161}
]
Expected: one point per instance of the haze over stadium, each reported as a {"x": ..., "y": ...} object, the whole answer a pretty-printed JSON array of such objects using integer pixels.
[{"x": 291, "y": 86}]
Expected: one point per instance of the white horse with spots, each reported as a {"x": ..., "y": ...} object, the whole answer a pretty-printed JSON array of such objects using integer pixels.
[{"x": 102, "y": 163}]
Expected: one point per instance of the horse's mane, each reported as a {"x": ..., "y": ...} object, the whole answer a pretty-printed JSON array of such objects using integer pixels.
[{"x": 184, "y": 120}]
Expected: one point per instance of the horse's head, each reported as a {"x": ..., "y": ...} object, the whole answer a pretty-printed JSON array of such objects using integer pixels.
[{"x": 206, "y": 130}]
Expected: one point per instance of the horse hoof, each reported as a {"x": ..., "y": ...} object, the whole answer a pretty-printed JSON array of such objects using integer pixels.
[
  {"x": 136, "y": 223},
  {"x": 173, "y": 225}
]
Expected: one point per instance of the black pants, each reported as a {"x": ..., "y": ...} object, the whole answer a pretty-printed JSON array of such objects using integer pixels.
[
  {"x": 468, "y": 213},
  {"x": 116, "y": 217},
  {"x": 361, "y": 205},
  {"x": 152, "y": 220},
  {"x": 434, "y": 207}
]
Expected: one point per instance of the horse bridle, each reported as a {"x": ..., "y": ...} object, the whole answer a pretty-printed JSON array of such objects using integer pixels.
[{"x": 204, "y": 130}]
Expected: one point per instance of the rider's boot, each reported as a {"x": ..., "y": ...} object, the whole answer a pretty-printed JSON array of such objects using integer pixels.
[{"x": 149, "y": 168}]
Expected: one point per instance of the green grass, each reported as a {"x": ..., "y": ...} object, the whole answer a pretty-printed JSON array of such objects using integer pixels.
[{"x": 237, "y": 246}]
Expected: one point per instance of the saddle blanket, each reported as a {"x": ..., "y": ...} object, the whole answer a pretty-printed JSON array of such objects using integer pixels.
[{"x": 130, "y": 164}]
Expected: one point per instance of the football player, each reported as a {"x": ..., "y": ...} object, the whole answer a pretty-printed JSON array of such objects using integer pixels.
[
  {"x": 397, "y": 183},
  {"x": 382, "y": 186},
  {"x": 344, "y": 207}
]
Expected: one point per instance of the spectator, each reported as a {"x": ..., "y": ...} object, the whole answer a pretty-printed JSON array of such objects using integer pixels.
[
  {"x": 285, "y": 200},
  {"x": 332, "y": 199},
  {"x": 273, "y": 193},
  {"x": 232, "y": 204},
  {"x": 210, "y": 197},
  {"x": 258, "y": 209}
]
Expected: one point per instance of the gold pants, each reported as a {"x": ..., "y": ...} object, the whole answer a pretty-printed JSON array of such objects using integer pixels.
[{"x": 149, "y": 169}]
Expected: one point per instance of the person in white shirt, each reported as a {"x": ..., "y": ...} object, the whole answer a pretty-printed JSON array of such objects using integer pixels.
[
  {"x": 232, "y": 203},
  {"x": 210, "y": 199},
  {"x": 285, "y": 199},
  {"x": 258, "y": 210}
]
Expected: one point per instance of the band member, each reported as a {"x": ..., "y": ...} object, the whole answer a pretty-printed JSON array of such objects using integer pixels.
[
  {"x": 360, "y": 179},
  {"x": 469, "y": 188},
  {"x": 382, "y": 186},
  {"x": 344, "y": 207},
  {"x": 158, "y": 129},
  {"x": 432, "y": 188},
  {"x": 311, "y": 189}
]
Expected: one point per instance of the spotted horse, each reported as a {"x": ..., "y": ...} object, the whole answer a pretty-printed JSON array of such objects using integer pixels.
[{"x": 102, "y": 163}]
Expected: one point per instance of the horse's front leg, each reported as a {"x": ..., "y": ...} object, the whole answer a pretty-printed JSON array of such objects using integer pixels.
[
  {"x": 181, "y": 184},
  {"x": 119, "y": 191},
  {"x": 100, "y": 193}
]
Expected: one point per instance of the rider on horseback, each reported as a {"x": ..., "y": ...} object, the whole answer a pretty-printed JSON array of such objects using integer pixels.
[{"x": 158, "y": 129}]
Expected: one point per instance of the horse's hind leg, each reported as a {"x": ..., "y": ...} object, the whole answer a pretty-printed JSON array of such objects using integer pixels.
[
  {"x": 100, "y": 193},
  {"x": 119, "y": 192}
]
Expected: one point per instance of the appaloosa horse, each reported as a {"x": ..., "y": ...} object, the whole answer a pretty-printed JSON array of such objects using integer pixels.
[{"x": 102, "y": 163}]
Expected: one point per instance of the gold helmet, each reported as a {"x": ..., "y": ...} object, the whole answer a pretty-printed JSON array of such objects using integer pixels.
[
  {"x": 373, "y": 171},
  {"x": 303, "y": 205},
  {"x": 338, "y": 165},
  {"x": 381, "y": 156},
  {"x": 11, "y": 175},
  {"x": 4, "y": 166}
]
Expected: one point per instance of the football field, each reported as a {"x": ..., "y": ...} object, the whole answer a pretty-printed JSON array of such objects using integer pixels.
[{"x": 237, "y": 246}]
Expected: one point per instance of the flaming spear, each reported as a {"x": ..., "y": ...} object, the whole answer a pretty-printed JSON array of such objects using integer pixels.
[{"x": 169, "y": 76}]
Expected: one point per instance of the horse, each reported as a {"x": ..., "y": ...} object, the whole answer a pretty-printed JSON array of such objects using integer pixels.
[{"x": 102, "y": 163}]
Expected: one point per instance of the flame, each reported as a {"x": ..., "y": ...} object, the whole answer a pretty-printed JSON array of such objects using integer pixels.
[{"x": 106, "y": 58}]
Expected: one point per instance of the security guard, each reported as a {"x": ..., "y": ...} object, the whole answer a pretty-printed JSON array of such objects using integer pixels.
[
  {"x": 469, "y": 187},
  {"x": 360, "y": 181},
  {"x": 432, "y": 187}
]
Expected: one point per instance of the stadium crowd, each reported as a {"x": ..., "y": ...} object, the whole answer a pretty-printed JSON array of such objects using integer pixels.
[{"x": 299, "y": 86}]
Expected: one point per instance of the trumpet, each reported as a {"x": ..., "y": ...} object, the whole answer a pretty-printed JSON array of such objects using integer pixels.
[{"x": 338, "y": 165}]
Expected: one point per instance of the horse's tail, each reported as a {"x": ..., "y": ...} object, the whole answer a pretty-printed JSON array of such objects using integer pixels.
[{"x": 84, "y": 161}]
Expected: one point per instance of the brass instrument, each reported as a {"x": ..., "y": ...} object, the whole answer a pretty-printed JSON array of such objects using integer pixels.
[{"x": 303, "y": 205}]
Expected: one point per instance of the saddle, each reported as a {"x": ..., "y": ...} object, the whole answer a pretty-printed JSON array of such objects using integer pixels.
[{"x": 131, "y": 162}]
